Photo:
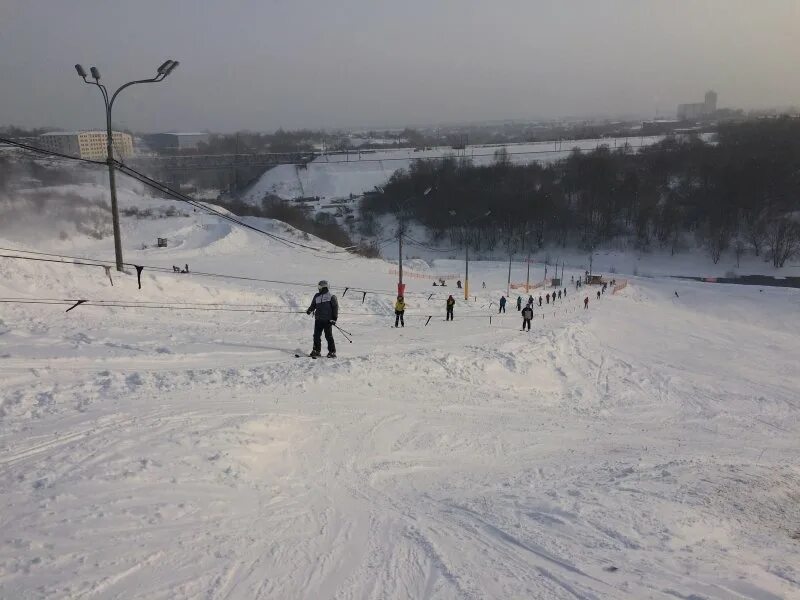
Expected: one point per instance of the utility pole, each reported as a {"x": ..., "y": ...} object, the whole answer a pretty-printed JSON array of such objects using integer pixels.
[
  {"x": 508, "y": 285},
  {"x": 466, "y": 263},
  {"x": 165, "y": 69},
  {"x": 528, "y": 276},
  {"x": 400, "y": 232},
  {"x": 466, "y": 275}
]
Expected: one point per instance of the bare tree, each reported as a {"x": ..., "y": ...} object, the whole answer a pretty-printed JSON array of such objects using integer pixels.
[
  {"x": 783, "y": 240},
  {"x": 756, "y": 233},
  {"x": 738, "y": 249}
]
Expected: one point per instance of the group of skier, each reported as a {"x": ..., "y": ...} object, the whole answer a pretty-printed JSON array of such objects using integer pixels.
[{"x": 325, "y": 308}]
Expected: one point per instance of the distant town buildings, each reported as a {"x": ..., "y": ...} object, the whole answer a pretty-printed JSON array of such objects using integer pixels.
[
  {"x": 175, "y": 141},
  {"x": 87, "y": 144},
  {"x": 698, "y": 110}
]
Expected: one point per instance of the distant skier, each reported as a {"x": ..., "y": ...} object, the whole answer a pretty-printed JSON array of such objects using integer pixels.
[
  {"x": 519, "y": 303},
  {"x": 399, "y": 311},
  {"x": 547, "y": 297},
  {"x": 572, "y": 279},
  {"x": 586, "y": 303},
  {"x": 325, "y": 307},
  {"x": 540, "y": 299},
  {"x": 458, "y": 284},
  {"x": 502, "y": 305},
  {"x": 483, "y": 285},
  {"x": 559, "y": 294},
  {"x": 565, "y": 292},
  {"x": 530, "y": 300},
  {"x": 598, "y": 294},
  {"x": 451, "y": 302},
  {"x": 527, "y": 315},
  {"x": 676, "y": 294}
]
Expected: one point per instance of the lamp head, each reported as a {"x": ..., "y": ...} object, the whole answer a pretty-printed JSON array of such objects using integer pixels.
[
  {"x": 95, "y": 73},
  {"x": 81, "y": 72},
  {"x": 171, "y": 67}
]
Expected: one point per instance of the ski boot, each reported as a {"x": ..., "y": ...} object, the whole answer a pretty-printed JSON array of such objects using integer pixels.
[
  {"x": 331, "y": 355},
  {"x": 315, "y": 354}
]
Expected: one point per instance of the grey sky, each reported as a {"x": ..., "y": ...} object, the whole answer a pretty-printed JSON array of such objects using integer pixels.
[{"x": 263, "y": 64}]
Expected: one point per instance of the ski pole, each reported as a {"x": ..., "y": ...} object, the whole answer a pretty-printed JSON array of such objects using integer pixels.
[
  {"x": 342, "y": 330},
  {"x": 343, "y": 333}
]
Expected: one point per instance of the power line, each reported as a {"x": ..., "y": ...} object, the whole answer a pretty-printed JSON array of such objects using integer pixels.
[
  {"x": 50, "y": 152},
  {"x": 90, "y": 262}
]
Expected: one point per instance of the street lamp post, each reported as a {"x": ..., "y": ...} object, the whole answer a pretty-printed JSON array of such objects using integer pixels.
[
  {"x": 401, "y": 230},
  {"x": 466, "y": 263},
  {"x": 165, "y": 69}
]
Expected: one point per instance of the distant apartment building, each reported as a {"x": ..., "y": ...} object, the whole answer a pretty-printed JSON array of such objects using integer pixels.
[
  {"x": 87, "y": 144},
  {"x": 698, "y": 110},
  {"x": 175, "y": 141}
]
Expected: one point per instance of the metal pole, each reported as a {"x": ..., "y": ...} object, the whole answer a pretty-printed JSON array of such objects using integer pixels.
[
  {"x": 400, "y": 255},
  {"x": 508, "y": 286},
  {"x": 112, "y": 182},
  {"x": 466, "y": 275},
  {"x": 528, "y": 276}
]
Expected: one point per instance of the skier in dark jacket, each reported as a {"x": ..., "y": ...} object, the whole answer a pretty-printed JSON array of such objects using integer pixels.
[
  {"x": 527, "y": 315},
  {"x": 519, "y": 302},
  {"x": 540, "y": 299},
  {"x": 325, "y": 307},
  {"x": 586, "y": 303},
  {"x": 451, "y": 302},
  {"x": 502, "y": 304}
]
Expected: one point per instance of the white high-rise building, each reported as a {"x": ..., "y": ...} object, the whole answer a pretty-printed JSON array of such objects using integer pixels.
[{"x": 87, "y": 144}]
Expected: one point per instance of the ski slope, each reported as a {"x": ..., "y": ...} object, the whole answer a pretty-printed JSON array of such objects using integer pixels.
[
  {"x": 643, "y": 448},
  {"x": 342, "y": 175}
]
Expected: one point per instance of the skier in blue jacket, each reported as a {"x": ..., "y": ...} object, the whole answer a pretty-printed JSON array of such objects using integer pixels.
[{"x": 325, "y": 307}]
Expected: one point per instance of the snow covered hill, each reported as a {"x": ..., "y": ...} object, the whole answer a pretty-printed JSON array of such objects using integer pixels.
[
  {"x": 643, "y": 448},
  {"x": 341, "y": 175}
]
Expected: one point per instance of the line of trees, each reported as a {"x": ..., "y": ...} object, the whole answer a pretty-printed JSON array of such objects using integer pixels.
[{"x": 740, "y": 191}]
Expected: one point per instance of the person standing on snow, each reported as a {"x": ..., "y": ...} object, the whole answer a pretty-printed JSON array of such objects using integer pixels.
[
  {"x": 451, "y": 302},
  {"x": 325, "y": 307},
  {"x": 399, "y": 310},
  {"x": 586, "y": 303},
  {"x": 502, "y": 305},
  {"x": 540, "y": 300},
  {"x": 547, "y": 297},
  {"x": 527, "y": 315},
  {"x": 598, "y": 294},
  {"x": 519, "y": 302}
]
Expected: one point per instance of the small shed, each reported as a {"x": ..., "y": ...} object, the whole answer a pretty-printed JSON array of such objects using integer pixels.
[
  {"x": 162, "y": 242},
  {"x": 556, "y": 282},
  {"x": 594, "y": 279}
]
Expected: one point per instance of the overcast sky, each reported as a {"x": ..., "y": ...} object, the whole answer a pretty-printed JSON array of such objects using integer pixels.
[{"x": 264, "y": 64}]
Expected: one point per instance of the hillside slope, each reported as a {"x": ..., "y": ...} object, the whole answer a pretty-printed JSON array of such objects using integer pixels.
[{"x": 643, "y": 448}]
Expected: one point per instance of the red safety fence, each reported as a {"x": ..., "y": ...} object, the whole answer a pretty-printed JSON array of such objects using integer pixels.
[
  {"x": 533, "y": 286},
  {"x": 411, "y": 275},
  {"x": 621, "y": 285}
]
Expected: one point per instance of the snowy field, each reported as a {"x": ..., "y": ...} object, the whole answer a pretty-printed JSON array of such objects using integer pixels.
[
  {"x": 644, "y": 448},
  {"x": 340, "y": 175}
]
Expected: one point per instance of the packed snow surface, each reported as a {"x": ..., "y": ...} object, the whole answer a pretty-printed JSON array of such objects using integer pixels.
[{"x": 644, "y": 448}]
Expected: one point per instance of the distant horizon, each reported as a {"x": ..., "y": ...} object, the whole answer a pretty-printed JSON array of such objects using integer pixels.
[{"x": 266, "y": 65}]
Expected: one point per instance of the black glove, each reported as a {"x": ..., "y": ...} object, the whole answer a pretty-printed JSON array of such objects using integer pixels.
[
  {"x": 308, "y": 312},
  {"x": 333, "y": 322}
]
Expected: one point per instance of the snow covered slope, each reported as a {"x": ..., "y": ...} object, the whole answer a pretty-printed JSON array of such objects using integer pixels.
[
  {"x": 340, "y": 175},
  {"x": 643, "y": 448}
]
